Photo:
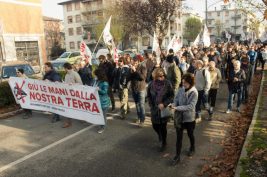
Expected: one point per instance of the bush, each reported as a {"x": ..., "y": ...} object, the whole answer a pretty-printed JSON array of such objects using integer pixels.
[{"x": 6, "y": 95}]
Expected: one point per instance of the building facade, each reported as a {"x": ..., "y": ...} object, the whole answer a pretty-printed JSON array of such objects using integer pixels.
[
  {"x": 81, "y": 16},
  {"x": 22, "y": 31},
  {"x": 53, "y": 29},
  {"x": 232, "y": 20}
]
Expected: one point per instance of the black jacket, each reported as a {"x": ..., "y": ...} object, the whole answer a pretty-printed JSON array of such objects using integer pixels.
[
  {"x": 236, "y": 86},
  {"x": 52, "y": 76},
  {"x": 86, "y": 75},
  {"x": 108, "y": 67},
  {"x": 121, "y": 77}
]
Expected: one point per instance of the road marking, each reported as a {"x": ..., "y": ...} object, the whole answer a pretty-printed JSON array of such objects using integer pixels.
[{"x": 12, "y": 164}]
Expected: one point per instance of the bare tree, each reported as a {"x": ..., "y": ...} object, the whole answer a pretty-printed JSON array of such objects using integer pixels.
[{"x": 147, "y": 16}]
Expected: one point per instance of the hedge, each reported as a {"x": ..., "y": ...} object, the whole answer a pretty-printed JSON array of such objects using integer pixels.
[{"x": 6, "y": 95}]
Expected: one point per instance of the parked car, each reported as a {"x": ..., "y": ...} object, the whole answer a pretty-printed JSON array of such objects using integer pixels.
[
  {"x": 58, "y": 64},
  {"x": 105, "y": 52},
  {"x": 70, "y": 57},
  {"x": 9, "y": 69}
]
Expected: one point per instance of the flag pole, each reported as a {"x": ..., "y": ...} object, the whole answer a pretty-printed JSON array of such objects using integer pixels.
[{"x": 98, "y": 42}]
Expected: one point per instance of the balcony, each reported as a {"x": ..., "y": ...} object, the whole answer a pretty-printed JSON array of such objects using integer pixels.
[{"x": 236, "y": 16}]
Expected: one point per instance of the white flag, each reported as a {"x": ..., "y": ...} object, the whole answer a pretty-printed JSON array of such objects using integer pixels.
[
  {"x": 86, "y": 53},
  {"x": 156, "y": 47},
  {"x": 197, "y": 40},
  {"x": 108, "y": 39},
  {"x": 206, "y": 37},
  {"x": 175, "y": 44},
  {"x": 228, "y": 36}
]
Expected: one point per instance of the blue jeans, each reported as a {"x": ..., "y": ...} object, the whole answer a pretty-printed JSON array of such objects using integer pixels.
[
  {"x": 139, "y": 99},
  {"x": 231, "y": 97}
]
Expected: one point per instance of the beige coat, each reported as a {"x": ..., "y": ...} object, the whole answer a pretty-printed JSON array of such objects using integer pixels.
[{"x": 216, "y": 77}]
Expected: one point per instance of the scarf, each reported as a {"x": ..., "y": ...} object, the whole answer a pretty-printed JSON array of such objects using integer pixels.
[{"x": 159, "y": 87}]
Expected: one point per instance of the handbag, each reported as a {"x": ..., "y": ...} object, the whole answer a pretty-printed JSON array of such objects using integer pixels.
[
  {"x": 166, "y": 113},
  {"x": 178, "y": 119}
]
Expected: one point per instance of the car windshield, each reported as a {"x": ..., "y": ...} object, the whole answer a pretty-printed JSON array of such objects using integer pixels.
[
  {"x": 10, "y": 71},
  {"x": 58, "y": 66},
  {"x": 65, "y": 55}
]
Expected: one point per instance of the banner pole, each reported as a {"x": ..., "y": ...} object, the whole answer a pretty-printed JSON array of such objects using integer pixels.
[{"x": 98, "y": 42}]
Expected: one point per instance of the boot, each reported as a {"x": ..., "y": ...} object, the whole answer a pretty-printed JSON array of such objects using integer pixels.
[{"x": 175, "y": 160}]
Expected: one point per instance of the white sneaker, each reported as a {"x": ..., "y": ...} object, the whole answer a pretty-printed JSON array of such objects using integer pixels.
[
  {"x": 228, "y": 111},
  {"x": 238, "y": 110},
  {"x": 198, "y": 120},
  {"x": 101, "y": 130}
]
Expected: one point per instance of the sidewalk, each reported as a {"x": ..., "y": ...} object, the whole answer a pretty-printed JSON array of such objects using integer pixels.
[{"x": 253, "y": 160}]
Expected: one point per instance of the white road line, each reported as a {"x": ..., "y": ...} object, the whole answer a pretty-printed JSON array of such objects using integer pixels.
[{"x": 44, "y": 149}]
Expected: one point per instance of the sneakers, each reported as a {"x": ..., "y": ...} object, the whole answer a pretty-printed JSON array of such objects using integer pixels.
[
  {"x": 101, "y": 130},
  {"x": 141, "y": 124},
  {"x": 162, "y": 147},
  {"x": 55, "y": 119},
  {"x": 228, "y": 111},
  {"x": 190, "y": 153},
  {"x": 238, "y": 110},
  {"x": 198, "y": 120},
  {"x": 175, "y": 160}
]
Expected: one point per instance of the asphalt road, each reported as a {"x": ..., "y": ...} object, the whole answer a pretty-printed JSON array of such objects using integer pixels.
[{"x": 37, "y": 148}]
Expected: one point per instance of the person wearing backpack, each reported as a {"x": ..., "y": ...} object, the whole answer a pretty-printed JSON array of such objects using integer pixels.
[{"x": 203, "y": 84}]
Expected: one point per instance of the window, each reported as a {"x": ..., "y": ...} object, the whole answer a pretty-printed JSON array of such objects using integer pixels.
[
  {"x": 77, "y": 6},
  {"x": 27, "y": 51},
  {"x": 227, "y": 13},
  {"x": 100, "y": 13},
  {"x": 146, "y": 41},
  {"x": 78, "y": 18},
  {"x": 72, "y": 45},
  {"x": 1, "y": 53},
  {"x": 70, "y": 31},
  {"x": 69, "y": 7},
  {"x": 209, "y": 13},
  {"x": 218, "y": 14},
  {"x": 209, "y": 21},
  {"x": 79, "y": 30},
  {"x": 70, "y": 19},
  {"x": 78, "y": 44}
]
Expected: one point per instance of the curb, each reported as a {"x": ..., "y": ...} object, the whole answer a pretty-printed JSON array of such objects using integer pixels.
[
  {"x": 250, "y": 130},
  {"x": 9, "y": 114}
]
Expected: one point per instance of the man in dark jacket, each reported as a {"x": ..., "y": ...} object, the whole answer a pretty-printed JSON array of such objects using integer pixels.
[
  {"x": 85, "y": 73},
  {"x": 52, "y": 76},
  {"x": 236, "y": 81},
  {"x": 138, "y": 84},
  {"x": 108, "y": 67},
  {"x": 121, "y": 83}
]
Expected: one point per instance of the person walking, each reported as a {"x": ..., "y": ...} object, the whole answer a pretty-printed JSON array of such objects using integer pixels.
[
  {"x": 27, "y": 112},
  {"x": 138, "y": 75},
  {"x": 103, "y": 87},
  {"x": 203, "y": 83},
  {"x": 159, "y": 95},
  {"x": 235, "y": 85},
  {"x": 184, "y": 117},
  {"x": 85, "y": 73},
  {"x": 121, "y": 83},
  {"x": 108, "y": 67},
  {"x": 71, "y": 77},
  {"x": 52, "y": 76},
  {"x": 264, "y": 57},
  {"x": 247, "y": 67},
  {"x": 216, "y": 77}
]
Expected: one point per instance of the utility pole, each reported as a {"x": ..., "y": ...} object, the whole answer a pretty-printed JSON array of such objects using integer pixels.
[{"x": 206, "y": 12}]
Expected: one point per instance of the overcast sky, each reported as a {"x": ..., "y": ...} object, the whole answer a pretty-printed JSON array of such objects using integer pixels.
[{"x": 51, "y": 9}]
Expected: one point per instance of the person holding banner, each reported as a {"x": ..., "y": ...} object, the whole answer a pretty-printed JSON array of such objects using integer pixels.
[
  {"x": 28, "y": 112},
  {"x": 72, "y": 77},
  {"x": 52, "y": 76},
  {"x": 103, "y": 88}
]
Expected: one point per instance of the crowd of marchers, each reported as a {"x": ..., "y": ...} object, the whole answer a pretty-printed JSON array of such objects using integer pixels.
[{"x": 176, "y": 85}]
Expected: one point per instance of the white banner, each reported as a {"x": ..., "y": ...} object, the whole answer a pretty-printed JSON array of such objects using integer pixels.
[
  {"x": 108, "y": 39},
  {"x": 73, "y": 101},
  {"x": 175, "y": 44},
  {"x": 206, "y": 37},
  {"x": 86, "y": 53},
  {"x": 197, "y": 40},
  {"x": 156, "y": 47}
]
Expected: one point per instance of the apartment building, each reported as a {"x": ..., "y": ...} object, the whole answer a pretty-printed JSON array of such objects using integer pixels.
[
  {"x": 53, "y": 29},
  {"x": 22, "y": 31},
  {"x": 81, "y": 16},
  {"x": 232, "y": 20}
]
